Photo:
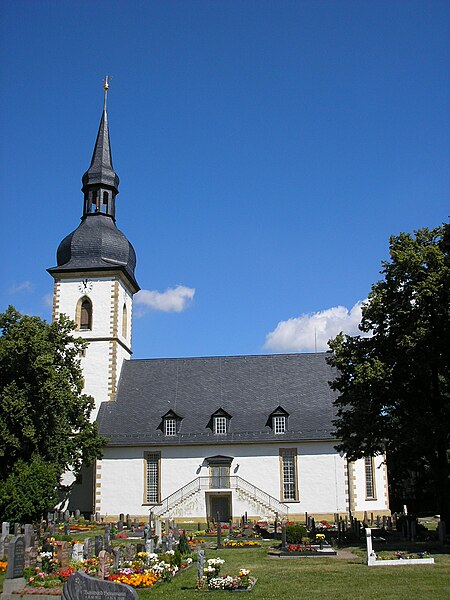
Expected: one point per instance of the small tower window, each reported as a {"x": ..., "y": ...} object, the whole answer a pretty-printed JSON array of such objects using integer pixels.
[
  {"x": 124, "y": 321},
  {"x": 86, "y": 314},
  {"x": 105, "y": 202},
  {"x": 94, "y": 201}
]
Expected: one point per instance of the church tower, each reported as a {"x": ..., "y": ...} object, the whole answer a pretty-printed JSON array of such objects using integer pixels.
[{"x": 94, "y": 276}]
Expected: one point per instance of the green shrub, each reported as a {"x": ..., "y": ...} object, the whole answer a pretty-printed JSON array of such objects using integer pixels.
[
  {"x": 183, "y": 545},
  {"x": 295, "y": 533}
]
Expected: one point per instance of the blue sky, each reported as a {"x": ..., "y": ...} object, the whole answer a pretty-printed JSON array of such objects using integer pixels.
[{"x": 266, "y": 151}]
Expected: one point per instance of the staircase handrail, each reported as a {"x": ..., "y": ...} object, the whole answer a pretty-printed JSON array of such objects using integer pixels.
[
  {"x": 265, "y": 498},
  {"x": 177, "y": 496}
]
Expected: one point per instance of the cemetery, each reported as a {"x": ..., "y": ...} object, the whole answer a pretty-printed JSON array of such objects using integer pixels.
[{"x": 132, "y": 559}]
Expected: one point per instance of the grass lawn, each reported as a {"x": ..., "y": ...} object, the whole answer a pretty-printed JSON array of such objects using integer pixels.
[{"x": 330, "y": 578}]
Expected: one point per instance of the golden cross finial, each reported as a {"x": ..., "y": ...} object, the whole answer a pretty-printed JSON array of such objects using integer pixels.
[{"x": 106, "y": 88}]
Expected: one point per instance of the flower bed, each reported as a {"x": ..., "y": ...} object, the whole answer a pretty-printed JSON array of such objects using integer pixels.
[
  {"x": 213, "y": 581},
  {"x": 241, "y": 544}
]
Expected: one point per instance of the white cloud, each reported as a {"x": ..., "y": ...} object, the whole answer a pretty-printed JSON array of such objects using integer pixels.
[
  {"x": 24, "y": 286},
  {"x": 174, "y": 299},
  {"x": 47, "y": 300},
  {"x": 309, "y": 332}
]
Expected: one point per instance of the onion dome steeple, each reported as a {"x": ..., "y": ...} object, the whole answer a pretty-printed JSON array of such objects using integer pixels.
[{"x": 97, "y": 244}]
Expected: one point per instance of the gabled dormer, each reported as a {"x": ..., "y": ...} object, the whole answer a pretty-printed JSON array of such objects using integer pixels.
[
  {"x": 278, "y": 420},
  {"x": 219, "y": 423},
  {"x": 170, "y": 423}
]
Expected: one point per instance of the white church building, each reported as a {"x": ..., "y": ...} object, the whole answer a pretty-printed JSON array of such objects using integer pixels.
[{"x": 192, "y": 437}]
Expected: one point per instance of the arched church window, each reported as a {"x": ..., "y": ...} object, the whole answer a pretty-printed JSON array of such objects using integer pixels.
[
  {"x": 86, "y": 314},
  {"x": 105, "y": 202},
  {"x": 124, "y": 321}
]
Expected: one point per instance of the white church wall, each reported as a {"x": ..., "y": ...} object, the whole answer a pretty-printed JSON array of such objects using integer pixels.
[
  {"x": 321, "y": 478},
  {"x": 380, "y": 502}
]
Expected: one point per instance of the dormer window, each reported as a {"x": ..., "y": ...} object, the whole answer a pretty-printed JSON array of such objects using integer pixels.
[
  {"x": 170, "y": 426},
  {"x": 220, "y": 425},
  {"x": 278, "y": 421},
  {"x": 279, "y": 424}
]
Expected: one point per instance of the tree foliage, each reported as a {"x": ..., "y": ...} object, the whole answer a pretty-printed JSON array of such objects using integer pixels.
[
  {"x": 394, "y": 379},
  {"x": 44, "y": 416}
]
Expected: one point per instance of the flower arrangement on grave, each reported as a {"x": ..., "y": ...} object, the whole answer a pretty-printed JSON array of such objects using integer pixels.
[
  {"x": 241, "y": 544},
  {"x": 40, "y": 579},
  {"x": 225, "y": 582},
  {"x": 3, "y": 565},
  {"x": 213, "y": 568}
]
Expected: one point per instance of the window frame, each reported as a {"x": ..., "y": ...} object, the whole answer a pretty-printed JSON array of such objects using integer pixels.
[
  {"x": 277, "y": 420},
  {"x": 224, "y": 421},
  {"x": 284, "y": 452},
  {"x": 146, "y": 500},
  {"x": 173, "y": 426},
  {"x": 369, "y": 478}
]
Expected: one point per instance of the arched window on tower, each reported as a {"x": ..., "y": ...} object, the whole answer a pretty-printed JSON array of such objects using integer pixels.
[
  {"x": 94, "y": 201},
  {"x": 84, "y": 314},
  {"x": 124, "y": 321},
  {"x": 105, "y": 202}
]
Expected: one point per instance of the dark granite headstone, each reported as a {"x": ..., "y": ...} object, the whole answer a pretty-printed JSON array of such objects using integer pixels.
[
  {"x": 140, "y": 547},
  {"x": 283, "y": 536},
  {"x": 16, "y": 557},
  {"x": 98, "y": 544},
  {"x": 91, "y": 548},
  {"x": 200, "y": 562},
  {"x": 82, "y": 587},
  {"x": 107, "y": 538},
  {"x": 130, "y": 552},
  {"x": 128, "y": 520},
  {"x": 120, "y": 526}
]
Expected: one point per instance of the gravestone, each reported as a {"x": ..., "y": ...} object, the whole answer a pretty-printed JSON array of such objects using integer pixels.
[
  {"x": 4, "y": 543},
  {"x": 80, "y": 586},
  {"x": 128, "y": 520},
  {"x": 149, "y": 546},
  {"x": 97, "y": 517},
  {"x": 176, "y": 532},
  {"x": 77, "y": 552},
  {"x": 151, "y": 519},
  {"x": 98, "y": 544},
  {"x": 17, "y": 529},
  {"x": 90, "y": 547},
  {"x": 117, "y": 557},
  {"x": 219, "y": 532},
  {"x": 16, "y": 557},
  {"x": 120, "y": 526},
  {"x": 86, "y": 548},
  {"x": 170, "y": 542},
  {"x": 66, "y": 528},
  {"x": 62, "y": 554},
  {"x": 16, "y": 561},
  {"x": 92, "y": 518},
  {"x": 107, "y": 538},
  {"x": 31, "y": 555},
  {"x": 200, "y": 562},
  {"x": 164, "y": 544},
  {"x": 66, "y": 515},
  {"x": 140, "y": 547},
  {"x": 146, "y": 532},
  {"x": 103, "y": 564},
  {"x": 5, "y": 528},
  {"x": 130, "y": 552},
  {"x": 77, "y": 514},
  {"x": 283, "y": 536}
]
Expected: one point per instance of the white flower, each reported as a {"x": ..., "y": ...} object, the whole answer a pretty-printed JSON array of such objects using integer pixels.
[
  {"x": 188, "y": 561},
  {"x": 170, "y": 552}
]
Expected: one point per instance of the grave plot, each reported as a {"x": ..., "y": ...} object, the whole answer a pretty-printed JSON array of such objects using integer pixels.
[
  {"x": 373, "y": 561},
  {"x": 296, "y": 543},
  {"x": 209, "y": 578}
]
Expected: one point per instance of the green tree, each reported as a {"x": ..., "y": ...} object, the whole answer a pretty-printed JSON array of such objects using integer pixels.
[
  {"x": 394, "y": 379},
  {"x": 44, "y": 416}
]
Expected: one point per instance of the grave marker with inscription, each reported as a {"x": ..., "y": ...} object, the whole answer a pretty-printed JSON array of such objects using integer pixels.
[
  {"x": 104, "y": 564},
  {"x": 82, "y": 587},
  {"x": 16, "y": 557}
]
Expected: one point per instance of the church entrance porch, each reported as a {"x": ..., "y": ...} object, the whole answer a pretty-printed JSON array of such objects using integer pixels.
[{"x": 218, "y": 505}]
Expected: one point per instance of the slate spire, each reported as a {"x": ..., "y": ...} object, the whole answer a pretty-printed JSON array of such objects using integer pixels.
[{"x": 101, "y": 182}]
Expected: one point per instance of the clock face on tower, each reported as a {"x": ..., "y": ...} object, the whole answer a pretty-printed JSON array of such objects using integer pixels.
[{"x": 85, "y": 286}]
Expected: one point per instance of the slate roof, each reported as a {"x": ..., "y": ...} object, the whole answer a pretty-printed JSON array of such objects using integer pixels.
[
  {"x": 96, "y": 245},
  {"x": 249, "y": 388},
  {"x": 101, "y": 170}
]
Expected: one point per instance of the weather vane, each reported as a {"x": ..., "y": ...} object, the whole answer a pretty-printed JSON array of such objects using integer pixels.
[{"x": 106, "y": 88}]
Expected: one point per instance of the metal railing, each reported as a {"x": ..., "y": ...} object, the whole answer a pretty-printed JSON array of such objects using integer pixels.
[{"x": 224, "y": 482}]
